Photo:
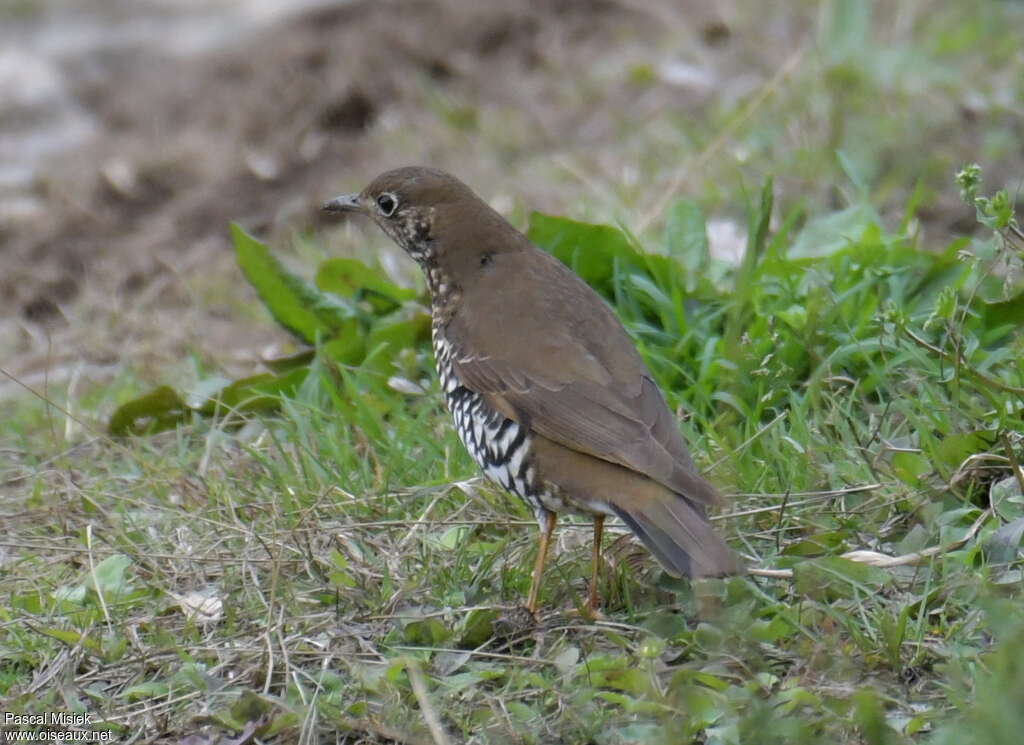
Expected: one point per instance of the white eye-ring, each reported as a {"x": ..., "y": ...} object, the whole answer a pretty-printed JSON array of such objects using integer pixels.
[{"x": 387, "y": 203}]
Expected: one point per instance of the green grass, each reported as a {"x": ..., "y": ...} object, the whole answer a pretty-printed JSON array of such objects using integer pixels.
[
  {"x": 322, "y": 564},
  {"x": 863, "y": 396}
]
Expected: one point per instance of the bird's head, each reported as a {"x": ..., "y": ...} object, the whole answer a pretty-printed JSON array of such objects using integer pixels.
[{"x": 415, "y": 206}]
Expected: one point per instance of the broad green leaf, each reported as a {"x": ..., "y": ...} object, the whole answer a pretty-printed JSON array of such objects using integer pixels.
[
  {"x": 291, "y": 362},
  {"x": 666, "y": 624},
  {"x": 708, "y": 636},
  {"x": 390, "y": 335},
  {"x": 351, "y": 278},
  {"x": 452, "y": 538},
  {"x": 870, "y": 717},
  {"x": 1006, "y": 498},
  {"x": 478, "y": 628},
  {"x": 770, "y": 631},
  {"x": 256, "y": 393},
  {"x": 590, "y": 250},
  {"x": 827, "y": 234},
  {"x": 816, "y": 545},
  {"x": 74, "y": 638},
  {"x": 629, "y": 679},
  {"x": 147, "y": 690},
  {"x": 703, "y": 706},
  {"x": 340, "y": 576},
  {"x": 30, "y": 602},
  {"x": 795, "y": 316},
  {"x": 428, "y": 632},
  {"x": 1007, "y": 312},
  {"x": 297, "y": 305},
  {"x": 155, "y": 411},
  {"x": 250, "y": 707},
  {"x": 349, "y": 346},
  {"x": 110, "y": 576},
  {"x": 455, "y": 682},
  {"x": 956, "y": 448},
  {"x": 910, "y": 467},
  {"x": 833, "y": 576}
]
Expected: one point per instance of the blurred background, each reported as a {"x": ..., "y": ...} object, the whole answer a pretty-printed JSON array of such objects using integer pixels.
[{"x": 133, "y": 131}]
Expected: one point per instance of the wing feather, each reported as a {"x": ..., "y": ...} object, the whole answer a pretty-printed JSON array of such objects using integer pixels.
[{"x": 569, "y": 369}]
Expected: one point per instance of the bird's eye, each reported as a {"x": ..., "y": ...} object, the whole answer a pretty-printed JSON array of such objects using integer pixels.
[{"x": 387, "y": 203}]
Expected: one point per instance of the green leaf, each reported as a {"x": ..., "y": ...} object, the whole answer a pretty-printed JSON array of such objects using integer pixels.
[
  {"x": 666, "y": 624},
  {"x": 590, "y": 250},
  {"x": 390, "y": 335},
  {"x": 351, "y": 278},
  {"x": 1002, "y": 546},
  {"x": 74, "y": 638},
  {"x": 956, "y": 448},
  {"x": 870, "y": 718},
  {"x": 340, "y": 577},
  {"x": 256, "y": 393},
  {"x": 795, "y": 316},
  {"x": 295, "y": 304},
  {"x": 109, "y": 576},
  {"x": 827, "y": 234},
  {"x": 1006, "y": 498},
  {"x": 290, "y": 362},
  {"x": 617, "y": 674},
  {"x": 1007, "y": 312},
  {"x": 250, "y": 707},
  {"x": 910, "y": 467},
  {"x": 686, "y": 235},
  {"x": 816, "y": 545},
  {"x": 452, "y": 538},
  {"x": 147, "y": 690},
  {"x": 349, "y": 346},
  {"x": 155, "y": 411},
  {"x": 478, "y": 628},
  {"x": 771, "y": 631},
  {"x": 428, "y": 632},
  {"x": 760, "y": 220},
  {"x": 833, "y": 576}
]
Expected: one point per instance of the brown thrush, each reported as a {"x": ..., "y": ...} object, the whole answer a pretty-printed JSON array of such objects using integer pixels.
[{"x": 547, "y": 389}]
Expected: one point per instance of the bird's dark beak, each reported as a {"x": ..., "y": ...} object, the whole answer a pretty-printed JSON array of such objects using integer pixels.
[{"x": 344, "y": 203}]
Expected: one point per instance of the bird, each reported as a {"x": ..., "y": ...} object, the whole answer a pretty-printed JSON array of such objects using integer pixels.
[{"x": 546, "y": 387}]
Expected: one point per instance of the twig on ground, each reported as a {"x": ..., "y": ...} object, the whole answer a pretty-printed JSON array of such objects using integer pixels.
[
  {"x": 100, "y": 592},
  {"x": 818, "y": 496}
]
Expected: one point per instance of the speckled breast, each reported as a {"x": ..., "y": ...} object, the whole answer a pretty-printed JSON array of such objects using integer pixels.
[{"x": 500, "y": 446}]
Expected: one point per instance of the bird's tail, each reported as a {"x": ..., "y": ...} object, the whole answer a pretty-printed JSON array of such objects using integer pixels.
[{"x": 679, "y": 535}]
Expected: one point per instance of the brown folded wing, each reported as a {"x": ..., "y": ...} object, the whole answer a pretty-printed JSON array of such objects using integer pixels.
[{"x": 568, "y": 369}]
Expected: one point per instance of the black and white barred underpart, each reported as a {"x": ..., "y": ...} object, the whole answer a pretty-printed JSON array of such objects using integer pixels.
[{"x": 499, "y": 445}]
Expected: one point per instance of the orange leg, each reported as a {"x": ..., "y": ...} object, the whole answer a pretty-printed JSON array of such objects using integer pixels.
[
  {"x": 595, "y": 575},
  {"x": 542, "y": 555}
]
